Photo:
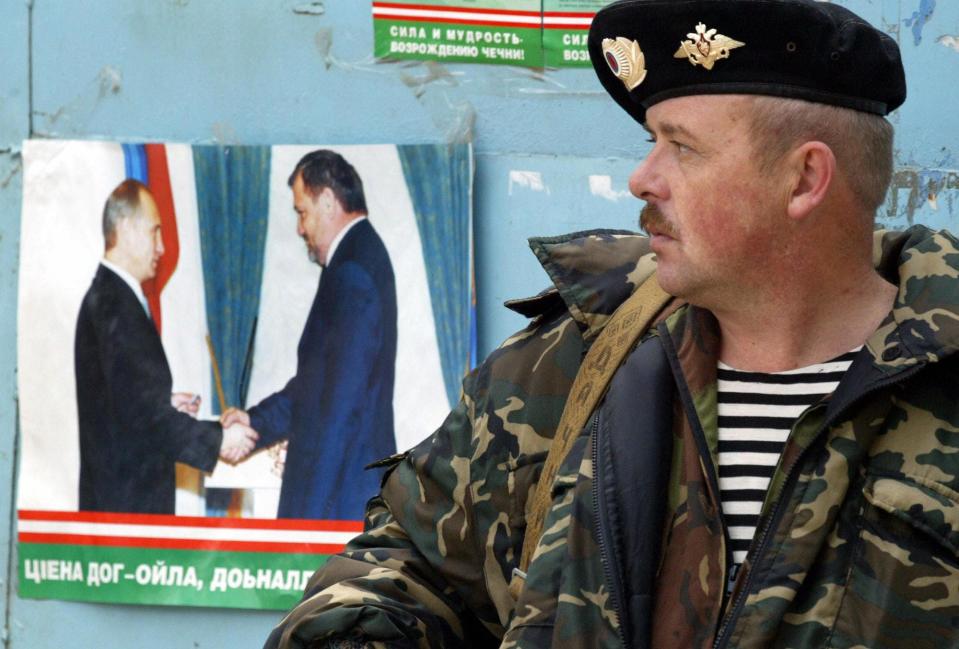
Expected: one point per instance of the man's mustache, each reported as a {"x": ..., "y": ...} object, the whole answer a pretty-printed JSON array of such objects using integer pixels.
[{"x": 652, "y": 220}]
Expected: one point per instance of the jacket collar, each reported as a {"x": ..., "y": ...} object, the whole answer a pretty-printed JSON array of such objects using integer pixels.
[
  {"x": 924, "y": 323},
  {"x": 594, "y": 272}
]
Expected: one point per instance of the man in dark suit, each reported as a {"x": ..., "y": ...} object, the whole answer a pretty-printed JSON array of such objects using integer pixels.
[
  {"x": 337, "y": 411},
  {"x": 132, "y": 430}
]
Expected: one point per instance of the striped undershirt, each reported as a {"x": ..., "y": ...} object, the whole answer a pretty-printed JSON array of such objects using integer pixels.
[{"x": 756, "y": 413}]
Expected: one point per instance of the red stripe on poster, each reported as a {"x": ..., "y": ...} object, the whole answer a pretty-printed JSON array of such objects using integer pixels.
[
  {"x": 192, "y": 521},
  {"x": 459, "y": 21},
  {"x": 568, "y": 14},
  {"x": 179, "y": 544},
  {"x": 506, "y": 12},
  {"x": 158, "y": 180}
]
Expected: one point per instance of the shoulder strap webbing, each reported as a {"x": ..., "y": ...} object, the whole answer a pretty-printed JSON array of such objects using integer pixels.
[{"x": 624, "y": 328}]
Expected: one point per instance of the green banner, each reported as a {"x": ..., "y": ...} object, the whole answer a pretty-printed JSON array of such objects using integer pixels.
[
  {"x": 494, "y": 31},
  {"x": 565, "y": 29},
  {"x": 161, "y": 576}
]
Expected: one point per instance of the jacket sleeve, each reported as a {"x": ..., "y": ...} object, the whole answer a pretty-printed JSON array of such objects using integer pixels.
[
  {"x": 139, "y": 383},
  {"x": 432, "y": 568},
  {"x": 271, "y": 417},
  {"x": 392, "y": 584}
]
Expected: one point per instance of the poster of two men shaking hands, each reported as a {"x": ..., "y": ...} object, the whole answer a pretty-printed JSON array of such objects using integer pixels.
[{"x": 323, "y": 370}]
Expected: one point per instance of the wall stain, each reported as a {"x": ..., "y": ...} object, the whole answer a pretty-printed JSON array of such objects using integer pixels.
[
  {"x": 458, "y": 123},
  {"x": 323, "y": 40},
  {"x": 324, "y": 45},
  {"x": 434, "y": 72},
  {"x": 70, "y": 116},
  {"x": 532, "y": 180},
  {"x": 948, "y": 40},
  {"x": 310, "y": 9},
  {"x": 12, "y": 173},
  {"x": 919, "y": 18},
  {"x": 922, "y": 187},
  {"x": 224, "y": 133}
]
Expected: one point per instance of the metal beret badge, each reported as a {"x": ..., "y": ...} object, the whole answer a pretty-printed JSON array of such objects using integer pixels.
[
  {"x": 705, "y": 47},
  {"x": 626, "y": 60}
]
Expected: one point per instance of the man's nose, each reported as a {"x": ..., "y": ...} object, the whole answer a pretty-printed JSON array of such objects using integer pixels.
[
  {"x": 159, "y": 247},
  {"x": 646, "y": 182}
]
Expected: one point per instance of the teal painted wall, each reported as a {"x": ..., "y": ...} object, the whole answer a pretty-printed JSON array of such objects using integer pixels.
[{"x": 291, "y": 71}]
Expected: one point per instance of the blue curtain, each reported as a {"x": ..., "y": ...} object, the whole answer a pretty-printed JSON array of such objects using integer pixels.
[
  {"x": 233, "y": 188},
  {"x": 440, "y": 182}
]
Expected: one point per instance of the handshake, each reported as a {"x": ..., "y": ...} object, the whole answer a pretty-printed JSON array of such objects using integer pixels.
[{"x": 238, "y": 438}]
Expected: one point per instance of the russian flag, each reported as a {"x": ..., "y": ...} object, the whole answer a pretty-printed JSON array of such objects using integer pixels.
[{"x": 148, "y": 164}]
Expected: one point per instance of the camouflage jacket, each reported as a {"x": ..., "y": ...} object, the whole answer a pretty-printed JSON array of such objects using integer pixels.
[{"x": 857, "y": 545}]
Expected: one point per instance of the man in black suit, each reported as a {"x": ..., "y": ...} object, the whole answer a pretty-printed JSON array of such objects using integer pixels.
[
  {"x": 132, "y": 429},
  {"x": 337, "y": 411}
]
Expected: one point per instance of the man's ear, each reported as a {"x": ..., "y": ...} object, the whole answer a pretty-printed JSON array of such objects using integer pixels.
[
  {"x": 327, "y": 200},
  {"x": 122, "y": 229},
  {"x": 813, "y": 168}
]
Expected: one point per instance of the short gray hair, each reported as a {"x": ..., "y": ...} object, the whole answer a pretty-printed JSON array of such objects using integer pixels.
[
  {"x": 123, "y": 202},
  {"x": 862, "y": 142}
]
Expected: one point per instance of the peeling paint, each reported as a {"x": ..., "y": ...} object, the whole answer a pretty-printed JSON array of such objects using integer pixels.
[
  {"x": 926, "y": 187},
  {"x": 434, "y": 72},
  {"x": 14, "y": 171},
  {"x": 919, "y": 18},
  {"x": 457, "y": 122},
  {"x": 549, "y": 85},
  {"x": 602, "y": 186},
  {"x": 111, "y": 81},
  {"x": 529, "y": 179},
  {"x": 324, "y": 45},
  {"x": 310, "y": 9},
  {"x": 947, "y": 40},
  {"x": 224, "y": 133},
  {"x": 70, "y": 116},
  {"x": 323, "y": 39}
]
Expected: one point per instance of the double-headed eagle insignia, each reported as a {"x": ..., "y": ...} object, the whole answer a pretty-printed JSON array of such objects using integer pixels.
[
  {"x": 705, "y": 47},
  {"x": 626, "y": 60}
]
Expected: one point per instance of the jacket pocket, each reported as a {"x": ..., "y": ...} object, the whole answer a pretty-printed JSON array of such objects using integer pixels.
[{"x": 903, "y": 585}]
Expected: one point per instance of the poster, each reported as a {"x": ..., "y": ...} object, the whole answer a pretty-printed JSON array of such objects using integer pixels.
[
  {"x": 461, "y": 31},
  {"x": 565, "y": 29},
  {"x": 233, "y": 258},
  {"x": 530, "y": 33}
]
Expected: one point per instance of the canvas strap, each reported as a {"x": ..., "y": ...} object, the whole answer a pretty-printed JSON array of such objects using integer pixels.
[{"x": 607, "y": 353}]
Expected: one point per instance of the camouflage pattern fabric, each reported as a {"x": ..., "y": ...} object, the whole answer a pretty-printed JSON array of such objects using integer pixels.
[{"x": 858, "y": 545}]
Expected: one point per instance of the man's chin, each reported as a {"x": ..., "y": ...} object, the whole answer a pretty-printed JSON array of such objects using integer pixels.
[{"x": 672, "y": 273}]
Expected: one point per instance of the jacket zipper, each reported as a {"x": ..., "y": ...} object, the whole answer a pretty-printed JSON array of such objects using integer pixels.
[
  {"x": 614, "y": 585},
  {"x": 773, "y": 519}
]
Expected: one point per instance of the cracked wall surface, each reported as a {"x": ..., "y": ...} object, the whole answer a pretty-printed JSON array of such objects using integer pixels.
[{"x": 553, "y": 154}]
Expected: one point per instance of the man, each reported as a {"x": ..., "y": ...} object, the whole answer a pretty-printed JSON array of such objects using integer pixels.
[
  {"x": 132, "y": 430},
  {"x": 337, "y": 410},
  {"x": 776, "y": 463}
]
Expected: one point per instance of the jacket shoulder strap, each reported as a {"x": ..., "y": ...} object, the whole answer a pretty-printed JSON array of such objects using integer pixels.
[{"x": 625, "y": 326}]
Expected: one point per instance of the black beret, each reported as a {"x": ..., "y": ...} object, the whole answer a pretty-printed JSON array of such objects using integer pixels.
[{"x": 647, "y": 51}]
